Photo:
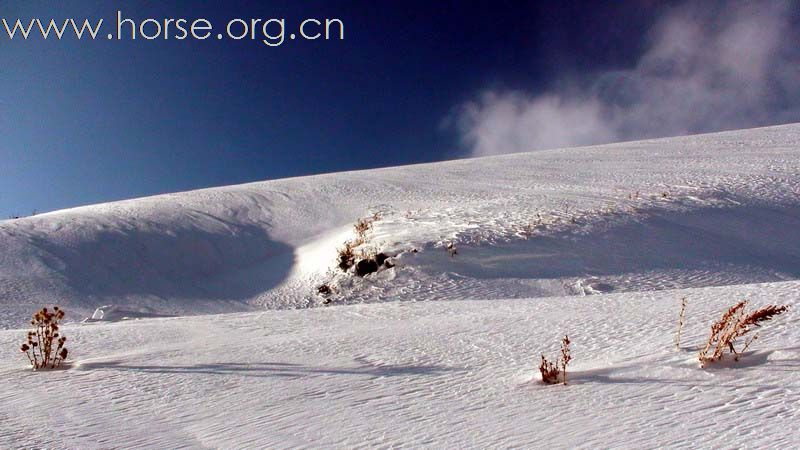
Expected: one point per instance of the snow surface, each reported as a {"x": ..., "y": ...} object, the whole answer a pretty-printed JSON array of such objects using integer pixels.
[{"x": 598, "y": 242}]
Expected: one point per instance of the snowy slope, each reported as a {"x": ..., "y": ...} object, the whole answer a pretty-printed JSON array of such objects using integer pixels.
[
  {"x": 646, "y": 215},
  {"x": 455, "y": 374},
  {"x": 598, "y": 242}
]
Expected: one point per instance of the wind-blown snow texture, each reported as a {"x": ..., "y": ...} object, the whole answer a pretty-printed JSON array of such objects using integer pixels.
[{"x": 646, "y": 222}]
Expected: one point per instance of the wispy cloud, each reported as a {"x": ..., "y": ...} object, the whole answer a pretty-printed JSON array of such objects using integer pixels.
[{"x": 706, "y": 67}]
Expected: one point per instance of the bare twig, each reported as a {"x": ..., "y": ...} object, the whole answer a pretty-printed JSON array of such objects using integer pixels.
[
  {"x": 566, "y": 357},
  {"x": 680, "y": 324}
]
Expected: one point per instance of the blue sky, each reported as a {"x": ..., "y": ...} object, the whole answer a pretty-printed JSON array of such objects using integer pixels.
[{"x": 91, "y": 121}]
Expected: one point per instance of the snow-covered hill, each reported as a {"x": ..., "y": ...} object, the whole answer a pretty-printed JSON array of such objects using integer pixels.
[
  {"x": 683, "y": 212},
  {"x": 538, "y": 236}
]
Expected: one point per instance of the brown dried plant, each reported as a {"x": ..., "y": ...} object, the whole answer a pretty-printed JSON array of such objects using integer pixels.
[
  {"x": 44, "y": 346},
  {"x": 554, "y": 373},
  {"x": 566, "y": 356},
  {"x": 364, "y": 226},
  {"x": 367, "y": 252},
  {"x": 347, "y": 254},
  {"x": 550, "y": 371},
  {"x": 680, "y": 324},
  {"x": 734, "y": 324},
  {"x": 532, "y": 227}
]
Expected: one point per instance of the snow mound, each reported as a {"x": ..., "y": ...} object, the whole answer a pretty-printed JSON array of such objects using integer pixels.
[{"x": 113, "y": 313}]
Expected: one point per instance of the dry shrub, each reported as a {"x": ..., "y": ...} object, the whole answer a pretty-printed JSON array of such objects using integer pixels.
[
  {"x": 347, "y": 254},
  {"x": 364, "y": 226},
  {"x": 735, "y": 324},
  {"x": 680, "y": 324},
  {"x": 367, "y": 252},
  {"x": 550, "y": 372},
  {"x": 554, "y": 373},
  {"x": 532, "y": 227},
  {"x": 44, "y": 346}
]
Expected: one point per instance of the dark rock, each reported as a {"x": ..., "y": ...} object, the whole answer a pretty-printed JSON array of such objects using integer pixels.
[
  {"x": 324, "y": 289},
  {"x": 380, "y": 258},
  {"x": 346, "y": 258},
  {"x": 366, "y": 266}
]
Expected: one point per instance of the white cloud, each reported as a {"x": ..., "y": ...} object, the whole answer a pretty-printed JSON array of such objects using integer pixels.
[{"x": 705, "y": 68}]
